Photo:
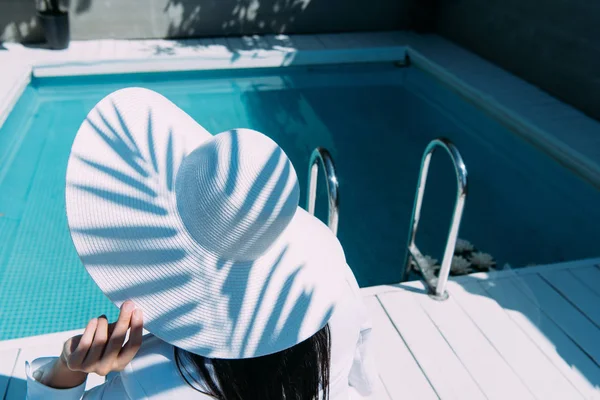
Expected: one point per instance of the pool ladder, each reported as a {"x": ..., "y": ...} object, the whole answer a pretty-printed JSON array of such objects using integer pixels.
[
  {"x": 435, "y": 285},
  {"x": 320, "y": 156}
]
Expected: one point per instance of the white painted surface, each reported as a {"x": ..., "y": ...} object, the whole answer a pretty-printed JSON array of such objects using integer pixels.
[
  {"x": 15, "y": 75},
  {"x": 570, "y": 360},
  {"x": 400, "y": 373},
  {"x": 580, "y": 295},
  {"x": 590, "y": 277},
  {"x": 491, "y": 371},
  {"x": 444, "y": 369},
  {"x": 8, "y": 359},
  {"x": 540, "y": 376},
  {"x": 577, "y": 326},
  {"x": 50, "y": 339}
]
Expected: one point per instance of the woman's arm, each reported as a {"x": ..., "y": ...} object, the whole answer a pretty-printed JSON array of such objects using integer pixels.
[
  {"x": 59, "y": 376},
  {"x": 100, "y": 349}
]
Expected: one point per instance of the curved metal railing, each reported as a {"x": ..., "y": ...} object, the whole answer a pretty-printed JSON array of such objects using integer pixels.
[
  {"x": 437, "y": 285},
  {"x": 321, "y": 156}
]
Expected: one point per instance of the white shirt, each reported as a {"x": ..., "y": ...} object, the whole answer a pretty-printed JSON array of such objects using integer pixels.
[{"x": 153, "y": 374}]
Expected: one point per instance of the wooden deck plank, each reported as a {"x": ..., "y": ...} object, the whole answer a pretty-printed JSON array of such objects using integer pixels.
[
  {"x": 534, "y": 270},
  {"x": 563, "y": 313},
  {"x": 576, "y": 292},
  {"x": 444, "y": 369},
  {"x": 570, "y": 360},
  {"x": 533, "y": 367},
  {"x": 380, "y": 393},
  {"x": 589, "y": 276},
  {"x": 399, "y": 372},
  {"x": 17, "y": 386},
  {"x": 589, "y": 268},
  {"x": 8, "y": 359},
  {"x": 493, "y": 375}
]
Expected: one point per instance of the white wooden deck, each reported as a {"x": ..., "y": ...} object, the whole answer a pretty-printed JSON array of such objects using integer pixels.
[
  {"x": 532, "y": 333},
  {"x": 522, "y": 334}
]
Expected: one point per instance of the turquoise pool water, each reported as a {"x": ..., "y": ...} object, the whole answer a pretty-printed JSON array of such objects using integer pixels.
[{"x": 376, "y": 120}]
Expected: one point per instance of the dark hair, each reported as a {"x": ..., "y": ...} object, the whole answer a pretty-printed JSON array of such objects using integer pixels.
[{"x": 297, "y": 373}]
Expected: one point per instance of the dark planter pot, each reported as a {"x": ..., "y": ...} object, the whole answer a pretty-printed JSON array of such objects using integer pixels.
[{"x": 56, "y": 29}]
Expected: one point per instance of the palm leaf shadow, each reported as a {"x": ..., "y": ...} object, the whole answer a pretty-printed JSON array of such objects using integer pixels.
[
  {"x": 138, "y": 258},
  {"x": 295, "y": 319},
  {"x": 169, "y": 160},
  {"x": 234, "y": 164},
  {"x": 268, "y": 336},
  {"x": 140, "y": 232},
  {"x": 236, "y": 299},
  {"x": 151, "y": 142},
  {"x": 124, "y": 178},
  {"x": 176, "y": 313},
  {"x": 124, "y": 200},
  {"x": 182, "y": 331},
  {"x": 247, "y": 239},
  {"x": 117, "y": 144},
  {"x": 154, "y": 286},
  {"x": 260, "y": 300},
  {"x": 258, "y": 186},
  {"x": 126, "y": 130},
  {"x": 120, "y": 139}
]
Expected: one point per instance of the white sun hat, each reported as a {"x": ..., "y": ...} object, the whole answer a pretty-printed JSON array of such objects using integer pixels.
[{"x": 202, "y": 232}]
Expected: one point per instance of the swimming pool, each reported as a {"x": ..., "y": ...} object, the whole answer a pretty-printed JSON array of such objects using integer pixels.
[{"x": 523, "y": 207}]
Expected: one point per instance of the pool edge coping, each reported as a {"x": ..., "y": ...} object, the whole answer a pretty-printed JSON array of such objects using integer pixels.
[{"x": 576, "y": 149}]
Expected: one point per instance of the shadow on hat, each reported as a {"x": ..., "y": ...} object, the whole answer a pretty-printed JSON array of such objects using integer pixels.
[{"x": 202, "y": 232}]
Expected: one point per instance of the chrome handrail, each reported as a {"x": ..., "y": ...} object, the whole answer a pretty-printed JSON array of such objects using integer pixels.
[
  {"x": 322, "y": 156},
  {"x": 437, "y": 285}
]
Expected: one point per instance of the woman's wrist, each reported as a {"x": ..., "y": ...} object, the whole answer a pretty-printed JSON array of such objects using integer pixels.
[
  {"x": 100, "y": 350},
  {"x": 59, "y": 376}
]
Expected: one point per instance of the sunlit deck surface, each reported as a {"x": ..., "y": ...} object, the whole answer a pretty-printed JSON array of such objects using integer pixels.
[{"x": 531, "y": 333}]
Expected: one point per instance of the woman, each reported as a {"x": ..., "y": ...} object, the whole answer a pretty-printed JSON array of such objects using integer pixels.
[{"x": 245, "y": 294}]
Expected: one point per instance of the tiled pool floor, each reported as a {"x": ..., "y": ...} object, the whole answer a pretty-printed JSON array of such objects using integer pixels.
[{"x": 42, "y": 285}]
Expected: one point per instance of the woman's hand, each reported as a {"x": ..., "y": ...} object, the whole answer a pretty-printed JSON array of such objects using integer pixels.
[{"x": 101, "y": 349}]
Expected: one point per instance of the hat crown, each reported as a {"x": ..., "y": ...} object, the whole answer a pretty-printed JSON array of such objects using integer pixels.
[{"x": 236, "y": 194}]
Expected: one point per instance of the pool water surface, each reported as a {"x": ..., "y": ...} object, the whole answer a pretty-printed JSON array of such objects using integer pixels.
[{"x": 523, "y": 207}]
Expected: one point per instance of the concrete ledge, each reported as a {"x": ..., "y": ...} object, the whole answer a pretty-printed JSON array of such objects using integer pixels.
[
  {"x": 562, "y": 131},
  {"x": 19, "y": 63},
  {"x": 14, "y": 78}
]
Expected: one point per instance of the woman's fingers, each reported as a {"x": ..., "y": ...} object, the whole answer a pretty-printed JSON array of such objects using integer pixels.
[
  {"x": 79, "y": 346},
  {"x": 100, "y": 348},
  {"x": 135, "y": 339},
  {"x": 98, "y": 345},
  {"x": 117, "y": 333}
]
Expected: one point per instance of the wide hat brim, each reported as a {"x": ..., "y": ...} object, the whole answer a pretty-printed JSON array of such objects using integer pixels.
[{"x": 124, "y": 222}]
